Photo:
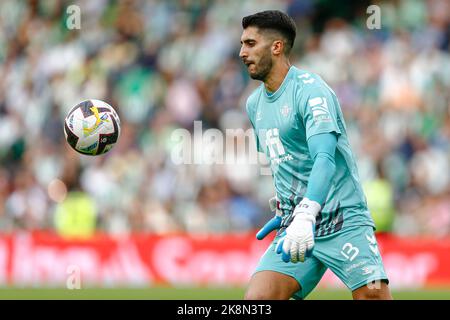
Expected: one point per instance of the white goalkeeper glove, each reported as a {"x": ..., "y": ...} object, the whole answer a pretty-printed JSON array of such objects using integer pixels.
[
  {"x": 274, "y": 223},
  {"x": 298, "y": 242}
]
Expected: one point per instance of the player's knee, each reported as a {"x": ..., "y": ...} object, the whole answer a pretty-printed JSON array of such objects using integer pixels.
[
  {"x": 263, "y": 295},
  {"x": 370, "y": 294},
  {"x": 254, "y": 295},
  {"x": 374, "y": 291},
  {"x": 250, "y": 295},
  {"x": 270, "y": 285}
]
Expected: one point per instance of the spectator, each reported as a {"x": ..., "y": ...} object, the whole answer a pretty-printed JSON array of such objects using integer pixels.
[{"x": 164, "y": 65}]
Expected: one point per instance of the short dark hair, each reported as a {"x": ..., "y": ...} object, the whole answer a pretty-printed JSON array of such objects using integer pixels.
[{"x": 273, "y": 20}]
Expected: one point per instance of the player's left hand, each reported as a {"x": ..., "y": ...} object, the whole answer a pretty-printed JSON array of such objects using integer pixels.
[
  {"x": 298, "y": 241},
  {"x": 274, "y": 223}
]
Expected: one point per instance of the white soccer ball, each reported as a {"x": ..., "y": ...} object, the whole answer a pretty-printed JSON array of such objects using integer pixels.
[{"x": 92, "y": 127}]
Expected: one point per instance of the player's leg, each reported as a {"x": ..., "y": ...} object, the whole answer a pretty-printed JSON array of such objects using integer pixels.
[
  {"x": 276, "y": 279},
  {"x": 354, "y": 257},
  {"x": 376, "y": 290},
  {"x": 271, "y": 285}
]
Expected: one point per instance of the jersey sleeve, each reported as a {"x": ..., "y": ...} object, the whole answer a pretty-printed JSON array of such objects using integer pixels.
[
  {"x": 318, "y": 108},
  {"x": 250, "y": 107},
  {"x": 322, "y": 149}
]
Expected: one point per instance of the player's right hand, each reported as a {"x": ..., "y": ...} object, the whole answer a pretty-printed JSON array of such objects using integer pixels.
[
  {"x": 272, "y": 224},
  {"x": 298, "y": 242}
]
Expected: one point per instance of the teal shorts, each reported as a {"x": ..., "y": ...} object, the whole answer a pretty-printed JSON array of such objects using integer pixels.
[{"x": 352, "y": 255}]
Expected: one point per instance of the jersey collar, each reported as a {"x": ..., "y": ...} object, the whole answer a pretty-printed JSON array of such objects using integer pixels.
[{"x": 274, "y": 96}]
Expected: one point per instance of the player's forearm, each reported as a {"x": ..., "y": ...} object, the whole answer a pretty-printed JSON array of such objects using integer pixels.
[
  {"x": 322, "y": 148},
  {"x": 320, "y": 180}
]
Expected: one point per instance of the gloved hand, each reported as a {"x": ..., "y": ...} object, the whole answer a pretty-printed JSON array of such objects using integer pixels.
[
  {"x": 298, "y": 242},
  {"x": 272, "y": 224}
]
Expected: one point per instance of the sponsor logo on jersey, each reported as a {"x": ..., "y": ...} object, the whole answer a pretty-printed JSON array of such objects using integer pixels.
[
  {"x": 285, "y": 158},
  {"x": 275, "y": 147},
  {"x": 319, "y": 107}
]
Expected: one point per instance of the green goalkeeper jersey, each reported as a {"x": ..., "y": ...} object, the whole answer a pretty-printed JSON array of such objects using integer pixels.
[{"x": 303, "y": 106}]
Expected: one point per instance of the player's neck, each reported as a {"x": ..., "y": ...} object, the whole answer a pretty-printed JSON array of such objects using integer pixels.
[{"x": 276, "y": 76}]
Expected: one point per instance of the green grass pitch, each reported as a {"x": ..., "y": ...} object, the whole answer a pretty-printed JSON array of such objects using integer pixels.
[{"x": 171, "y": 293}]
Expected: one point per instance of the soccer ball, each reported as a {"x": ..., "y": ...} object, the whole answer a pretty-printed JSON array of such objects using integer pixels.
[{"x": 92, "y": 127}]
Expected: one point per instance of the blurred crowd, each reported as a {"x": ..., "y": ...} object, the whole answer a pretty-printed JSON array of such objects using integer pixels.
[{"x": 165, "y": 64}]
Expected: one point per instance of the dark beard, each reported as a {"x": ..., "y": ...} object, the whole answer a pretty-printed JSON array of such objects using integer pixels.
[{"x": 266, "y": 65}]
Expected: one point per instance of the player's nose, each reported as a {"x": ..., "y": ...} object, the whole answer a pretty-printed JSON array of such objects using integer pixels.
[{"x": 243, "y": 53}]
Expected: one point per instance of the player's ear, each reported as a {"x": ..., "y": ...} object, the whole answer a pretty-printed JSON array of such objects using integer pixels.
[{"x": 277, "y": 47}]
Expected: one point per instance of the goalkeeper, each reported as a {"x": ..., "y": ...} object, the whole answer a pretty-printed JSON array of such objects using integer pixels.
[{"x": 322, "y": 220}]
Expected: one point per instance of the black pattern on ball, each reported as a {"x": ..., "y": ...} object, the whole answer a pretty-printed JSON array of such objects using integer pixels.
[{"x": 110, "y": 138}]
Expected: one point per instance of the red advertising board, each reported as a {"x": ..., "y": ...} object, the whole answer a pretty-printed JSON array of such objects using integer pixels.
[{"x": 44, "y": 259}]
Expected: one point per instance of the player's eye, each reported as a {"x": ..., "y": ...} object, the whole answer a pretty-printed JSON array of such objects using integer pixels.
[{"x": 250, "y": 43}]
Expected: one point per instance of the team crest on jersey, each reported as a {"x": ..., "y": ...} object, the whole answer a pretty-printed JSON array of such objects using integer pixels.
[{"x": 285, "y": 110}]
